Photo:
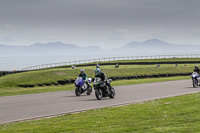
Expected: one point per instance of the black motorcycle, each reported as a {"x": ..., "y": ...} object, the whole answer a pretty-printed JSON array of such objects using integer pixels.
[{"x": 102, "y": 90}]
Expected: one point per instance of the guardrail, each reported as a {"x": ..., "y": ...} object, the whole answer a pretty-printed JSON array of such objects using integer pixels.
[{"x": 110, "y": 59}]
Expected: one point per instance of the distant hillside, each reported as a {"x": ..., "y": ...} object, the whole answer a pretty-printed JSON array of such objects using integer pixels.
[
  {"x": 153, "y": 46},
  {"x": 56, "y": 48},
  {"x": 157, "y": 46}
]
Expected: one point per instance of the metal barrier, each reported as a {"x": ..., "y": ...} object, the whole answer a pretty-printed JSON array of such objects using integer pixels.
[{"x": 110, "y": 59}]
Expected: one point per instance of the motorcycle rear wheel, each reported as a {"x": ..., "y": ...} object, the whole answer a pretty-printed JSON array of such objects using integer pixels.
[
  {"x": 89, "y": 91},
  {"x": 112, "y": 92}
]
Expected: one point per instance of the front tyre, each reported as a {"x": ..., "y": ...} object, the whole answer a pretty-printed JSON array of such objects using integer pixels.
[
  {"x": 98, "y": 94},
  {"x": 112, "y": 92},
  {"x": 78, "y": 91},
  {"x": 194, "y": 83}
]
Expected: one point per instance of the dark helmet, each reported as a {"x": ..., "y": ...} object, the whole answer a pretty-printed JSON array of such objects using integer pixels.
[
  {"x": 97, "y": 71},
  {"x": 82, "y": 71}
]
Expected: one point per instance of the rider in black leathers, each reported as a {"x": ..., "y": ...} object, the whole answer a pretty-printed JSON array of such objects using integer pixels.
[
  {"x": 196, "y": 69},
  {"x": 100, "y": 74}
]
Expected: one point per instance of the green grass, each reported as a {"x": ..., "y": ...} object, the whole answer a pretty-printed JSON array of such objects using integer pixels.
[
  {"x": 20, "y": 91},
  {"x": 53, "y": 75},
  {"x": 176, "y": 114}
]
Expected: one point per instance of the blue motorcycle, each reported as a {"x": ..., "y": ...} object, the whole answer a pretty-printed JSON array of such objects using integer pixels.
[
  {"x": 195, "y": 78},
  {"x": 82, "y": 87}
]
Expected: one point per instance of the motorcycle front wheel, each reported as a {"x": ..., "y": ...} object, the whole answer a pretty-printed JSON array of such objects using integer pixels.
[
  {"x": 194, "y": 83},
  {"x": 98, "y": 94},
  {"x": 78, "y": 91}
]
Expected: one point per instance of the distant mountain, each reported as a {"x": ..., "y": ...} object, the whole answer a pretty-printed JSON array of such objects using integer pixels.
[
  {"x": 55, "y": 48},
  {"x": 2, "y": 45},
  {"x": 54, "y": 45},
  {"x": 153, "y": 46},
  {"x": 157, "y": 46}
]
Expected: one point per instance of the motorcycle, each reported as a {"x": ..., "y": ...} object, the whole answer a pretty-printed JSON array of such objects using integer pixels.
[
  {"x": 195, "y": 78},
  {"x": 82, "y": 87},
  {"x": 102, "y": 90}
]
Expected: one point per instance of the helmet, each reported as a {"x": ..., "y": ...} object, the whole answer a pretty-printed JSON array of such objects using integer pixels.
[
  {"x": 97, "y": 70},
  {"x": 196, "y": 66},
  {"x": 98, "y": 66},
  {"x": 82, "y": 71}
]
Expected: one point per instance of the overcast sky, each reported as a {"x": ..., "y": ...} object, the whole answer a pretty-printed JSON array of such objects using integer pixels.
[{"x": 104, "y": 23}]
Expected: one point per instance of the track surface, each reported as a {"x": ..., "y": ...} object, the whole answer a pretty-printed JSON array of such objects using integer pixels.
[{"x": 32, "y": 106}]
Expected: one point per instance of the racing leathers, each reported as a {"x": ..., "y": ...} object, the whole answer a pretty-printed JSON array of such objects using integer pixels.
[
  {"x": 196, "y": 69},
  {"x": 103, "y": 78},
  {"x": 84, "y": 76}
]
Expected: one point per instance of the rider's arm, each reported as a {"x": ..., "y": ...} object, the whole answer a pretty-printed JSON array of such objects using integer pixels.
[
  {"x": 84, "y": 76},
  {"x": 103, "y": 76}
]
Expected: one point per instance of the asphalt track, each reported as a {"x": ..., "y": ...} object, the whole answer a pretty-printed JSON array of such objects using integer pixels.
[{"x": 33, "y": 106}]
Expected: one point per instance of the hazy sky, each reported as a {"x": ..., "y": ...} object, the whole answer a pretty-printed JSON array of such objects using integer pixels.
[{"x": 106, "y": 23}]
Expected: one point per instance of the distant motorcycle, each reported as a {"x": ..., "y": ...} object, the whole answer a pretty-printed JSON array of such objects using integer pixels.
[
  {"x": 102, "y": 90},
  {"x": 82, "y": 87},
  {"x": 195, "y": 78}
]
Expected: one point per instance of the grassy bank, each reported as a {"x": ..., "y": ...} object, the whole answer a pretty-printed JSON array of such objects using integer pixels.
[
  {"x": 53, "y": 75},
  {"x": 177, "y": 114},
  {"x": 20, "y": 91}
]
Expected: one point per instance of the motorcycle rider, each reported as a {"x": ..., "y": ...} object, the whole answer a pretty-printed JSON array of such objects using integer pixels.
[
  {"x": 196, "y": 69},
  {"x": 117, "y": 65},
  {"x": 83, "y": 75},
  {"x": 100, "y": 74}
]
